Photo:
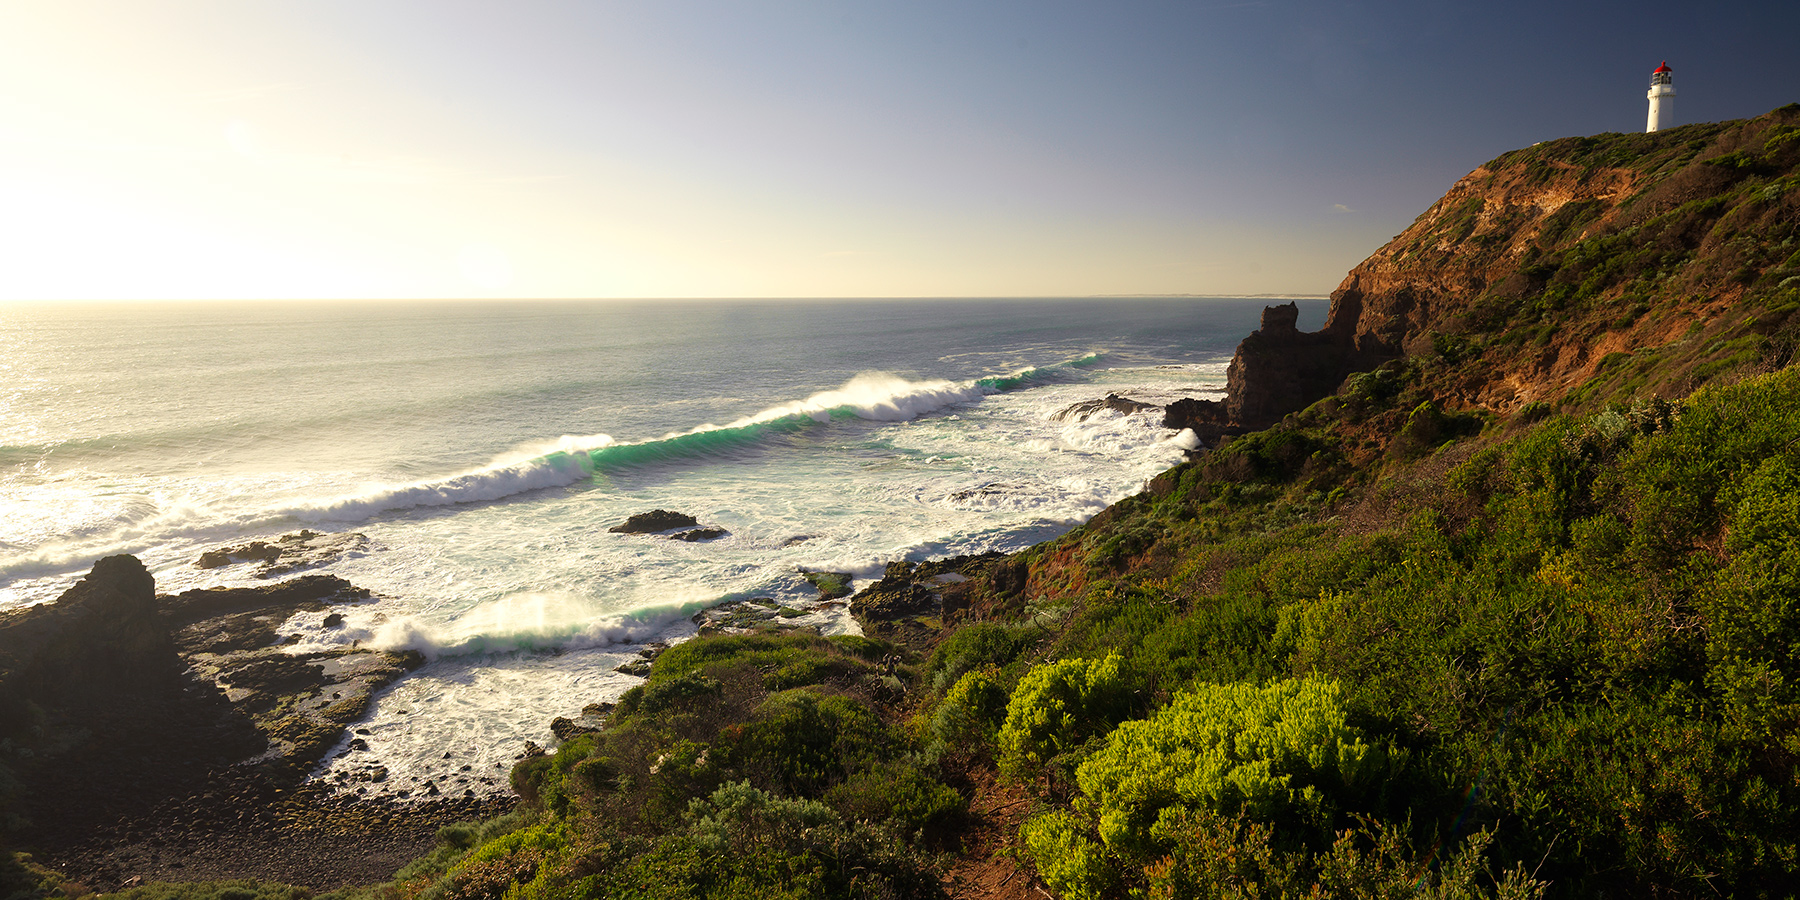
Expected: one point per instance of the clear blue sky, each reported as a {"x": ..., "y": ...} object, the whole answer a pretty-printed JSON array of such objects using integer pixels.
[{"x": 380, "y": 148}]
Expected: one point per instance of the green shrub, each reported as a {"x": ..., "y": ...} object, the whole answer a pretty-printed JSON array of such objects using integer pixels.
[
  {"x": 899, "y": 794},
  {"x": 1070, "y": 862},
  {"x": 801, "y": 743},
  {"x": 974, "y": 646},
  {"x": 655, "y": 696},
  {"x": 741, "y": 842},
  {"x": 1057, "y": 707},
  {"x": 1281, "y": 752},
  {"x": 969, "y": 716}
]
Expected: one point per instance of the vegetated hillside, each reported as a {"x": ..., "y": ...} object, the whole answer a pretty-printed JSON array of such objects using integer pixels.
[
  {"x": 1511, "y": 615},
  {"x": 1670, "y": 247},
  {"x": 1572, "y": 271}
]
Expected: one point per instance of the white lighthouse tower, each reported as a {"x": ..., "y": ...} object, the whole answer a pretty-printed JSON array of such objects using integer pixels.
[{"x": 1662, "y": 98}]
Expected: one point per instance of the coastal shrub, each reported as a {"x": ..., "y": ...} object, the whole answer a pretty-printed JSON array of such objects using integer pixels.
[
  {"x": 798, "y": 742},
  {"x": 1278, "y": 753},
  {"x": 899, "y": 794},
  {"x": 864, "y": 648},
  {"x": 1070, "y": 862},
  {"x": 976, "y": 646},
  {"x": 1056, "y": 708},
  {"x": 454, "y": 842},
  {"x": 742, "y": 842},
  {"x": 1190, "y": 800},
  {"x": 690, "y": 669},
  {"x": 703, "y": 653},
  {"x": 540, "y": 778},
  {"x": 516, "y": 864},
  {"x": 675, "y": 692},
  {"x": 969, "y": 716},
  {"x": 680, "y": 772},
  {"x": 23, "y": 879}
]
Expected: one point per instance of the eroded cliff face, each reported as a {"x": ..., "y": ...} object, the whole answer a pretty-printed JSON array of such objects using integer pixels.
[{"x": 1575, "y": 270}]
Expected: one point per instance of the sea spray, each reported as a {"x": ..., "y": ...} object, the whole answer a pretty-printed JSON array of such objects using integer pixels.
[{"x": 536, "y": 622}]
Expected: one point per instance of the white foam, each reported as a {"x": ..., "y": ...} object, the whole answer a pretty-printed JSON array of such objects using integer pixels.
[
  {"x": 877, "y": 396},
  {"x": 533, "y": 622}
]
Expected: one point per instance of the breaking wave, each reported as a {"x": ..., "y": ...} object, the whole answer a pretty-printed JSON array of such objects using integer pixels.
[{"x": 873, "y": 396}]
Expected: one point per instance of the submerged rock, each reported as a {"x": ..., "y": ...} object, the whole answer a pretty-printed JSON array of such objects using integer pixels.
[
  {"x": 742, "y": 616},
  {"x": 303, "y": 549},
  {"x": 831, "y": 585},
  {"x": 654, "y": 521}
]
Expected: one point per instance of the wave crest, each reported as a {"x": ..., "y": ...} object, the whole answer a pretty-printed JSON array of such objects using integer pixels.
[{"x": 875, "y": 396}]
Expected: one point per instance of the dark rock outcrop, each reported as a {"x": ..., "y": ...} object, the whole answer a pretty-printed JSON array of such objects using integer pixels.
[
  {"x": 123, "y": 707},
  {"x": 912, "y": 602},
  {"x": 1081, "y": 412},
  {"x": 654, "y": 521},
  {"x": 100, "y": 638},
  {"x": 1192, "y": 412},
  {"x": 695, "y": 535},
  {"x": 1280, "y": 369}
]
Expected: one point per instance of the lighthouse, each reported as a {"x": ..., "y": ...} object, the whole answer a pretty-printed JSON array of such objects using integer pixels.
[{"x": 1662, "y": 98}]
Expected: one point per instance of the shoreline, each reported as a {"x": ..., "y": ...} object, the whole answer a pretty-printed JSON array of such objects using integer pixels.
[{"x": 304, "y": 836}]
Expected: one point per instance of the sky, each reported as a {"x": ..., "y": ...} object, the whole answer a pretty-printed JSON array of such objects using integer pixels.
[{"x": 191, "y": 149}]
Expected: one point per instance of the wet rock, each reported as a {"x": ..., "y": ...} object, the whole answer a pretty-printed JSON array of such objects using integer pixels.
[
  {"x": 1192, "y": 412},
  {"x": 990, "y": 489},
  {"x": 335, "y": 620},
  {"x": 638, "y": 667},
  {"x": 742, "y": 616},
  {"x": 291, "y": 552},
  {"x": 694, "y": 535},
  {"x": 912, "y": 600},
  {"x": 1081, "y": 412},
  {"x": 831, "y": 585},
  {"x": 565, "y": 728},
  {"x": 654, "y": 521}
]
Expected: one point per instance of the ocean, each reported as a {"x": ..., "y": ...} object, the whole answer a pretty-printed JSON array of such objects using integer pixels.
[{"x": 484, "y": 449}]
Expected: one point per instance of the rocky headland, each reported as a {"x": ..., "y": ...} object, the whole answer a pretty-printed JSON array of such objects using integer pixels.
[{"x": 169, "y": 737}]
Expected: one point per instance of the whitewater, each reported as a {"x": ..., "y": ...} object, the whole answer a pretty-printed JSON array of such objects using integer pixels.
[{"x": 484, "y": 449}]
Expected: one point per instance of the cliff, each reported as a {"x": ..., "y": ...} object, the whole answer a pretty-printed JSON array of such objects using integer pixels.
[{"x": 1653, "y": 261}]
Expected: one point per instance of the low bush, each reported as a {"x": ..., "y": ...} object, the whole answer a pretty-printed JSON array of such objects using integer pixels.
[{"x": 1058, "y": 707}]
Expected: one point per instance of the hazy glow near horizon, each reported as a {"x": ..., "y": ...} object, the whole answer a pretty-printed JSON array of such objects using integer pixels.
[{"x": 213, "y": 149}]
